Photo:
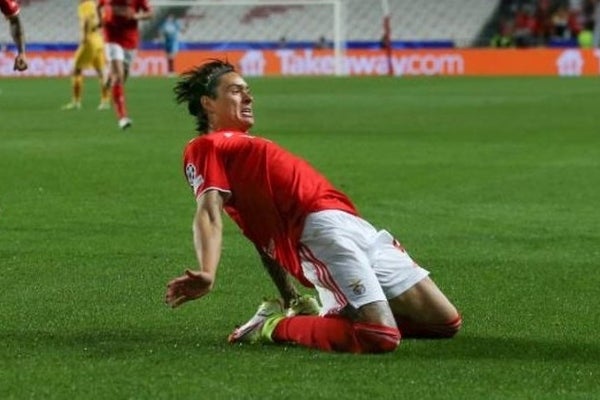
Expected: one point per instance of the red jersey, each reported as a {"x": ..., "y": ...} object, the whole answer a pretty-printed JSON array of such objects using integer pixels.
[
  {"x": 271, "y": 191},
  {"x": 9, "y": 8},
  {"x": 119, "y": 28}
]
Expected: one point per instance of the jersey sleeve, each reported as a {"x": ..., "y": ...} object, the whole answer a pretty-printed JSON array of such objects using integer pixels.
[
  {"x": 9, "y": 8},
  {"x": 204, "y": 168}
]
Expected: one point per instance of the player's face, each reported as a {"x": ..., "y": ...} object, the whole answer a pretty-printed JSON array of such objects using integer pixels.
[{"x": 232, "y": 108}]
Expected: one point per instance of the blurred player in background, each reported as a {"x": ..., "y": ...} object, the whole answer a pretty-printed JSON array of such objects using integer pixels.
[
  {"x": 170, "y": 30},
  {"x": 90, "y": 53},
  {"x": 119, "y": 19},
  {"x": 11, "y": 10},
  {"x": 371, "y": 291}
]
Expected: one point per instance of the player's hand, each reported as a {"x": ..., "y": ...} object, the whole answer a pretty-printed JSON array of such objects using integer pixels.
[
  {"x": 190, "y": 286},
  {"x": 20, "y": 63}
]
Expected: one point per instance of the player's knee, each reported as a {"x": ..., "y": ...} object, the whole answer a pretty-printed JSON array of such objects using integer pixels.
[{"x": 377, "y": 338}]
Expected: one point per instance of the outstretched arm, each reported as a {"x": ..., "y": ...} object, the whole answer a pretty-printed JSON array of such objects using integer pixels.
[
  {"x": 18, "y": 35},
  {"x": 280, "y": 278},
  {"x": 208, "y": 236}
]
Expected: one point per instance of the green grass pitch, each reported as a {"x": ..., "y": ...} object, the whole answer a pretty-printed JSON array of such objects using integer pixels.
[{"x": 493, "y": 184}]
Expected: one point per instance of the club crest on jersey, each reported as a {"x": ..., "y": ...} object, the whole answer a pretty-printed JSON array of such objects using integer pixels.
[{"x": 193, "y": 178}]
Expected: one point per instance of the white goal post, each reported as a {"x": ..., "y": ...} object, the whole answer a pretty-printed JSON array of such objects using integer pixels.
[{"x": 227, "y": 22}]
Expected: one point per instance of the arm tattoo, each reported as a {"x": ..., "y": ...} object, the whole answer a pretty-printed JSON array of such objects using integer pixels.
[{"x": 281, "y": 279}]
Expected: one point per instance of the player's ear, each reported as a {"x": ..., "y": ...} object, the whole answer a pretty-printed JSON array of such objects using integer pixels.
[{"x": 206, "y": 103}]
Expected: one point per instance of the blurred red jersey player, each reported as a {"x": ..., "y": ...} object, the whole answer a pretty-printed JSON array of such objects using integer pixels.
[
  {"x": 11, "y": 10},
  {"x": 121, "y": 34}
]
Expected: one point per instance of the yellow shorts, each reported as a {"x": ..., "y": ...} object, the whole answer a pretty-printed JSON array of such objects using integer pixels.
[{"x": 88, "y": 55}]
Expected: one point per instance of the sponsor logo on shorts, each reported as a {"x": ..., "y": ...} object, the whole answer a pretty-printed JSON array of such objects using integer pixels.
[{"x": 358, "y": 288}]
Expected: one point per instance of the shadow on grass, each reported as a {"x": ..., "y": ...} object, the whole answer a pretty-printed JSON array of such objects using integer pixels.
[
  {"x": 121, "y": 343},
  {"x": 509, "y": 348},
  {"x": 112, "y": 343}
]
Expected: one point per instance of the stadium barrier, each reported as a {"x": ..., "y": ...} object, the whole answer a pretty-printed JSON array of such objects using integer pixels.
[{"x": 423, "y": 62}]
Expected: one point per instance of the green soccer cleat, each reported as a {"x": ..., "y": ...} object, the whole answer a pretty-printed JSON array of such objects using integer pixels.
[
  {"x": 304, "y": 305},
  {"x": 261, "y": 326}
]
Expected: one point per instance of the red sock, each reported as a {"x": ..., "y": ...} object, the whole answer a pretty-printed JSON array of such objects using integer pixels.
[
  {"x": 333, "y": 333},
  {"x": 118, "y": 96},
  {"x": 413, "y": 329}
]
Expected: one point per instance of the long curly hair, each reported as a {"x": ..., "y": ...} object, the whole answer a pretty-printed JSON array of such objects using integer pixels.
[{"x": 197, "y": 82}]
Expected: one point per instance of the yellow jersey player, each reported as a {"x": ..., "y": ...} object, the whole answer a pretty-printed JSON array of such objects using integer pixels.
[{"x": 90, "y": 53}]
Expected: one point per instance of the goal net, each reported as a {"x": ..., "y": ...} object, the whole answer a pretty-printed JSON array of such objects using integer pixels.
[
  {"x": 258, "y": 24},
  {"x": 263, "y": 36}
]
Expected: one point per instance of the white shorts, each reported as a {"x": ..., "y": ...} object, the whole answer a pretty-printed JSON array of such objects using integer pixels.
[
  {"x": 351, "y": 263},
  {"x": 115, "y": 51}
]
